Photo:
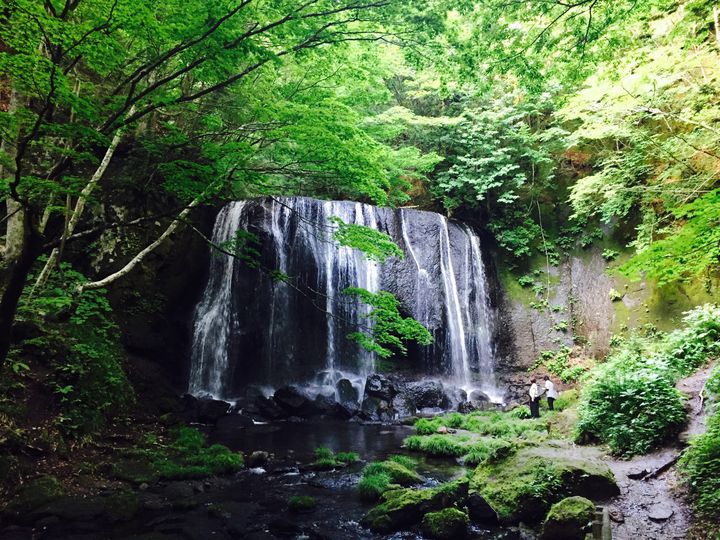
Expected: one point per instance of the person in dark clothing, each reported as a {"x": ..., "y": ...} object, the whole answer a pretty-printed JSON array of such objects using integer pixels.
[{"x": 534, "y": 399}]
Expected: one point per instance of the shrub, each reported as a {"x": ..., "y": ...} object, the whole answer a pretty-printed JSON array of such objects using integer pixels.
[
  {"x": 689, "y": 348},
  {"x": 630, "y": 402},
  {"x": 82, "y": 341},
  {"x": 631, "y": 412},
  {"x": 522, "y": 412},
  {"x": 700, "y": 463}
]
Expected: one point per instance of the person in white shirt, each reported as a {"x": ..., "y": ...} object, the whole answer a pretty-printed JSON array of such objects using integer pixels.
[
  {"x": 551, "y": 393},
  {"x": 534, "y": 399}
]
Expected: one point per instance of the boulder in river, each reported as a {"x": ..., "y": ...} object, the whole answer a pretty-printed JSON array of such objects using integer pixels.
[
  {"x": 569, "y": 519},
  {"x": 525, "y": 485},
  {"x": 480, "y": 511},
  {"x": 381, "y": 387},
  {"x": 347, "y": 393},
  {"x": 427, "y": 394},
  {"x": 403, "y": 508},
  {"x": 296, "y": 404},
  {"x": 446, "y": 524},
  {"x": 269, "y": 409}
]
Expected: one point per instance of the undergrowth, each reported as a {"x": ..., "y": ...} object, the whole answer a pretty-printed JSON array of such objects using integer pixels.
[
  {"x": 630, "y": 401},
  {"x": 700, "y": 463}
]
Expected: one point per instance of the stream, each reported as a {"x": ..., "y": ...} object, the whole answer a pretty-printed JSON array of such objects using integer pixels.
[{"x": 264, "y": 491}]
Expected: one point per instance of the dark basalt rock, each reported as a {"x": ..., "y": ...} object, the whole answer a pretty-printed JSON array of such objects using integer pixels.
[
  {"x": 202, "y": 410},
  {"x": 347, "y": 393},
  {"x": 381, "y": 387},
  {"x": 269, "y": 409},
  {"x": 426, "y": 394},
  {"x": 480, "y": 511},
  {"x": 258, "y": 458},
  {"x": 295, "y": 403}
]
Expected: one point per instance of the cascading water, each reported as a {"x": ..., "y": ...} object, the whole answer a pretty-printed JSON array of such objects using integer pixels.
[{"x": 253, "y": 329}]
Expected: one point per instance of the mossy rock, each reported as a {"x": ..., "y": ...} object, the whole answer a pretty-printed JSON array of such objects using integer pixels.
[
  {"x": 403, "y": 508},
  {"x": 398, "y": 473},
  {"x": 122, "y": 505},
  {"x": 523, "y": 487},
  {"x": 301, "y": 503},
  {"x": 447, "y": 524},
  {"x": 137, "y": 471},
  {"x": 570, "y": 519},
  {"x": 34, "y": 494}
]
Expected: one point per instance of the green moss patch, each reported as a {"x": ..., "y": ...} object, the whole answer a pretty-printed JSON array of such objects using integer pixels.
[
  {"x": 569, "y": 519},
  {"x": 403, "y": 508},
  {"x": 447, "y": 524},
  {"x": 523, "y": 487},
  {"x": 301, "y": 503}
]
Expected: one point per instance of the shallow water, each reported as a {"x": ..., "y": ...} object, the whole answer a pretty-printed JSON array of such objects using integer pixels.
[
  {"x": 298, "y": 440},
  {"x": 339, "y": 509}
]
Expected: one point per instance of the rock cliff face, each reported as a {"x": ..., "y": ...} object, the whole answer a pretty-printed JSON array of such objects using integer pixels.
[{"x": 252, "y": 327}]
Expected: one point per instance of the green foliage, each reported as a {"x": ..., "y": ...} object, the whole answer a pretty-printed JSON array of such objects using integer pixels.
[
  {"x": 375, "y": 245},
  {"x": 526, "y": 281},
  {"x": 690, "y": 347},
  {"x": 689, "y": 247},
  {"x": 630, "y": 401},
  {"x": 390, "y": 330},
  {"x": 488, "y": 451},
  {"x": 326, "y": 459},
  {"x": 405, "y": 461},
  {"x": 700, "y": 463},
  {"x": 631, "y": 412},
  {"x": 492, "y": 424},
  {"x": 86, "y": 356},
  {"x": 187, "y": 457},
  {"x": 559, "y": 363},
  {"x": 522, "y": 412},
  {"x": 610, "y": 254}
]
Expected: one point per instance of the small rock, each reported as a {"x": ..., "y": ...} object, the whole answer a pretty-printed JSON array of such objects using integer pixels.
[
  {"x": 660, "y": 512},
  {"x": 616, "y": 514},
  {"x": 257, "y": 459},
  {"x": 143, "y": 487}
]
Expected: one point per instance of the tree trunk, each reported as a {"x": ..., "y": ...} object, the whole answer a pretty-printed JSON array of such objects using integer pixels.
[
  {"x": 74, "y": 218},
  {"x": 16, "y": 276}
]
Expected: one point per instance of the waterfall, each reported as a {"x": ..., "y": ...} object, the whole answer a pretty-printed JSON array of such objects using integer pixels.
[
  {"x": 214, "y": 320},
  {"x": 251, "y": 329}
]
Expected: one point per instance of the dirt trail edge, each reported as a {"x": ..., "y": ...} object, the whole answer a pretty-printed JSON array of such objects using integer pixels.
[{"x": 651, "y": 504}]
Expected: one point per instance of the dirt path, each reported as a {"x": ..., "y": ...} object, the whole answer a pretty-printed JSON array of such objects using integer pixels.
[{"x": 653, "y": 507}]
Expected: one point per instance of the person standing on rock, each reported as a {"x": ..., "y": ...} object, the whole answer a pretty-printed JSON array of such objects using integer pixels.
[
  {"x": 551, "y": 393},
  {"x": 534, "y": 399}
]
